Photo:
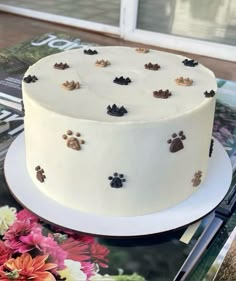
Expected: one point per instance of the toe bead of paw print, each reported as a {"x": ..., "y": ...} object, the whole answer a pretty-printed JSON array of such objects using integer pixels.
[
  {"x": 176, "y": 142},
  {"x": 72, "y": 141},
  {"x": 117, "y": 180}
]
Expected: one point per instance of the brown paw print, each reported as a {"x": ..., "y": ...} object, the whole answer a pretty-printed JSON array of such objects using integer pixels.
[
  {"x": 184, "y": 81},
  {"x": 40, "y": 174},
  {"x": 161, "y": 94},
  {"x": 102, "y": 63},
  {"x": 61, "y": 66},
  {"x": 176, "y": 143},
  {"x": 197, "y": 178},
  {"x": 73, "y": 142},
  {"x": 72, "y": 85},
  {"x": 142, "y": 50}
]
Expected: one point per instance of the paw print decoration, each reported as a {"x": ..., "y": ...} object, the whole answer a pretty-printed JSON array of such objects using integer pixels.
[
  {"x": 73, "y": 141},
  {"x": 40, "y": 174},
  {"x": 176, "y": 142},
  {"x": 197, "y": 179},
  {"x": 117, "y": 180}
]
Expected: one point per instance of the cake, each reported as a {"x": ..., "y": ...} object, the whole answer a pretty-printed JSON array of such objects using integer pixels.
[{"x": 118, "y": 131}]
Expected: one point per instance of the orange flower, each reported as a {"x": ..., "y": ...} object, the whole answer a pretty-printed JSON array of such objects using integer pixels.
[{"x": 30, "y": 268}]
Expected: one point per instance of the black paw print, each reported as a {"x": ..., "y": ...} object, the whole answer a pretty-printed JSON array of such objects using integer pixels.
[
  {"x": 190, "y": 63},
  {"x": 40, "y": 174},
  {"x": 176, "y": 143},
  {"x": 114, "y": 110},
  {"x": 122, "y": 81},
  {"x": 90, "y": 52},
  {"x": 73, "y": 142},
  {"x": 209, "y": 94},
  {"x": 30, "y": 78},
  {"x": 117, "y": 180}
]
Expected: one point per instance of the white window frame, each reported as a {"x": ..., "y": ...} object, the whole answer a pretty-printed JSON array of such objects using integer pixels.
[
  {"x": 129, "y": 15},
  {"x": 128, "y": 31}
]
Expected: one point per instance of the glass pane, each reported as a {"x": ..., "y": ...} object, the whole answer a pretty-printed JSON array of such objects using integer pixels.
[
  {"x": 101, "y": 11},
  {"x": 211, "y": 20}
]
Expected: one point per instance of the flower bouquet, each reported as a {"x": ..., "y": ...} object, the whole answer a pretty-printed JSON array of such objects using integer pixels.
[{"x": 33, "y": 250}]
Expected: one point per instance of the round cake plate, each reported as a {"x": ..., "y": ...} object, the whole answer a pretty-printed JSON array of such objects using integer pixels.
[{"x": 200, "y": 203}]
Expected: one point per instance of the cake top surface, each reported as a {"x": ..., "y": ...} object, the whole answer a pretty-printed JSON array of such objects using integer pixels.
[{"x": 136, "y": 83}]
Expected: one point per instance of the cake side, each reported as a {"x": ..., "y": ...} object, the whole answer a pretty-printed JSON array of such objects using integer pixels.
[{"x": 118, "y": 165}]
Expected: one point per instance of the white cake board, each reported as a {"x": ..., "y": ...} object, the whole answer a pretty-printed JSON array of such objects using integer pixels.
[{"x": 204, "y": 200}]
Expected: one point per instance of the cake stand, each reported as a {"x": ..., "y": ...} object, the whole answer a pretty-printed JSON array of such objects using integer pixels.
[{"x": 200, "y": 203}]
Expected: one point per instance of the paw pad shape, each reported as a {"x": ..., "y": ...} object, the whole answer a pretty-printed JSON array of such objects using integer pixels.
[
  {"x": 117, "y": 180},
  {"x": 30, "y": 79},
  {"x": 197, "y": 178},
  {"x": 176, "y": 143},
  {"x": 40, "y": 174},
  {"x": 73, "y": 141}
]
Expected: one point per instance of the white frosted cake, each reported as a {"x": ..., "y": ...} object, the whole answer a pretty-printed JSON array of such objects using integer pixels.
[{"x": 118, "y": 131}]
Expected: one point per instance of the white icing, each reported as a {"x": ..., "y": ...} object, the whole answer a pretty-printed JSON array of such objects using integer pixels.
[{"x": 134, "y": 145}]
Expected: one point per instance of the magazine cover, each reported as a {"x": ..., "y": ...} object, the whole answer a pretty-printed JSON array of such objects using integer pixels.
[
  {"x": 75, "y": 257},
  {"x": 224, "y": 266}
]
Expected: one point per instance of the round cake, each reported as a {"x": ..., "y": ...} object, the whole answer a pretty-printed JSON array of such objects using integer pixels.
[{"x": 118, "y": 131}]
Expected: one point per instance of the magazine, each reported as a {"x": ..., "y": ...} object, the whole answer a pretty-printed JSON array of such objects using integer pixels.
[
  {"x": 144, "y": 255},
  {"x": 224, "y": 266}
]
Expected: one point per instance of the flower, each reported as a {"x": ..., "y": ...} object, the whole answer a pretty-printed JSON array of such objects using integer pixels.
[
  {"x": 5, "y": 253},
  {"x": 73, "y": 271},
  {"x": 16, "y": 231},
  {"x": 26, "y": 215},
  {"x": 7, "y": 218},
  {"x": 56, "y": 254},
  {"x": 98, "y": 254},
  {"x": 25, "y": 267},
  {"x": 77, "y": 250},
  {"x": 31, "y": 241},
  {"x": 33, "y": 250},
  {"x": 89, "y": 268}
]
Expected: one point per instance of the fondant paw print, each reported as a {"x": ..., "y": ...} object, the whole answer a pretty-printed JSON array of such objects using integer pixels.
[
  {"x": 142, "y": 50},
  {"x": 117, "y": 180},
  {"x": 184, "y": 81},
  {"x": 176, "y": 143},
  {"x": 151, "y": 66},
  {"x": 30, "y": 79},
  {"x": 61, "y": 66},
  {"x": 73, "y": 142},
  {"x": 40, "y": 174},
  {"x": 102, "y": 63},
  {"x": 162, "y": 94},
  {"x": 197, "y": 178},
  {"x": 71, "y": 85}
]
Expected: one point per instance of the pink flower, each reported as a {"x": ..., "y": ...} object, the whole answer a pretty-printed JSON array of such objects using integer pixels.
[
  {"x": 88, "y": 268},
  {"x": 16, "y": 231},
  {"x": 56, "y": 254},
  {"x": 31, "y": 241},
  {"x": 5, "y": 253},
  {"x": 77, "y": 250},
  {"x": 99, "y": 254},
  {"x": 84, "y": 238},
  {"x": 26, "y": 215}
]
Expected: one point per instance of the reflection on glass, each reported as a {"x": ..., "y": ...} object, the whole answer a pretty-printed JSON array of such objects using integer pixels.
[
  {"x": 211, "y": 20},
  {"x": 101, "y": 11}
]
